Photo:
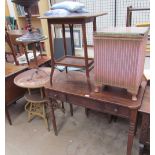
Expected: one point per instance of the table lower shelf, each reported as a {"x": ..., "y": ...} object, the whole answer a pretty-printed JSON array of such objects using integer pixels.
[
  {"x": 35, "y": 98},
  {"x": 74, "y": 61}
]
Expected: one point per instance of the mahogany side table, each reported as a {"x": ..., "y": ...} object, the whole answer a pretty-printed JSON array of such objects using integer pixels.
[
  {"x": 71, "y": 19},
  {"x": 73, "y": 88}
]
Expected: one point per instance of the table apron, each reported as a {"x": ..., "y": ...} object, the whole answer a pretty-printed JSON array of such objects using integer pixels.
[
  {"x": 99, "y": 106},
  {"x": 71, "y": 20},
  {"x": 105, "y": 107}
]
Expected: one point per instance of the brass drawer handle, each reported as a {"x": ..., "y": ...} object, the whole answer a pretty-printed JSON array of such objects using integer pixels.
[
  {"x": 115, "y": 110},
  {"x": 56, "y": 96}
]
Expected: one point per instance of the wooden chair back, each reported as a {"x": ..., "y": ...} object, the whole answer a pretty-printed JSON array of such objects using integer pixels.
[{"x": 16, "y": 47}]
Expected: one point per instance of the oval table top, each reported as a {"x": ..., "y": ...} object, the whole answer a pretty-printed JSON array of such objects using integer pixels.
[{"x": 34, "y": 78}]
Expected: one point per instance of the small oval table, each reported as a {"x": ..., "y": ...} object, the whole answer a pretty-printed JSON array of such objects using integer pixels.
[{"x": 35, "y": 79}]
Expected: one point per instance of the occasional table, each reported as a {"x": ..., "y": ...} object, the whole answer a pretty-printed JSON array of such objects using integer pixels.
[
  {"x": 32, "y": 79},
  {"x": 71, "y": 19},
  {"x": 33, "y": 44},
  {"x": 39, "y": 60},
  {"x": 12, "y": 92},
  {"x": 144, "y": 139},
  {"x": 73, "y": 88}
]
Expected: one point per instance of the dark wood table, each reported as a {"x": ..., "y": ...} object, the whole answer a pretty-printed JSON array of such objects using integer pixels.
[
  {"x": 144, "y": 110},
  {"x": 72, "y": 19},
  {"x": 12, "y": 92},
  {"x": 73, "y": 88}
]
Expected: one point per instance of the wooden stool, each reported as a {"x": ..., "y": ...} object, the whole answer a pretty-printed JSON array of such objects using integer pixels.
[{"x": 36, "y": 107}]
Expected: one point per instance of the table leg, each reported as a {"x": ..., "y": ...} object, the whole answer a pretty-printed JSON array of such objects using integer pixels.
[
  {"x": 64, "y": 41},
  {"x": 144, "y": 132},
  {"x": 87, "y": 111},
  {"x": 133, "y": 118},
  {"x": 26, "y": 55},
  {"x": 62, "y": 103},
  {"x": 72, "y": 38},
  {"x": 51, "y": 49},
  {"x": 71, "y": 109},
  {"x": 141, "y": 149},
  {"x": 51, "y": 76},
  {"x": 110, "y": 118},
  {"x": 85, "y": 49},
  {"x": 34, "y": 53},
  {"x": 53, "y": 117},
  {"x": 94, "y": 24},
  {"x": 8, "y": 115},
  {"x": 40, "y": 49}
]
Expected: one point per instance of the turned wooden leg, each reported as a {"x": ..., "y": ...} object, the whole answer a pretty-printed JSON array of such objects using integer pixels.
[
  {"x": 115, "y": 118},
  {"x": 40, "y": 49},
  {"x": 85, "y": 49},
  {"x": 62, "y": 103},
  {"x": 51, "y": 50},
  {"x": 71, "y": 109},
  {"x": 8, "y": 115},
  {"x": 51, "y": 76},
  {"x": 66, "y": 69},
  {"x": 144, "y": 132},
  {"x": 45, "y": 116},
  {"x": 110, "y": 118},
  {"x": 136, "y": 124},
  {"x": 87, "y": 111},
  {"x": 133, "y": 117},
  {"x": 72, "y": 38},
  {"x": 89, "y": 84},
  {"x": 141, "y": 149},
  {"x": 53, "y": 118},
  {"x": 25, "y": 52},
  {"x": 130, "y": 137}
]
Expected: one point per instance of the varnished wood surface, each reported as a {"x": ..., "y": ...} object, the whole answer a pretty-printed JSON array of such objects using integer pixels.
[
  {"x": 11, "y": 69},
  {"x": 75, "y": 88},
  {"x": 12, "y": 92},
  {"x": 145, "y": 107},
  {"x": 17, "y": 32},
  {"x": 75, "y": 83},
  {"x": 41, "y": 60},
  {"x": 34, "y": 78},
  {"x": 74, "y": 15},
  {"x": 73, "y": 61}
]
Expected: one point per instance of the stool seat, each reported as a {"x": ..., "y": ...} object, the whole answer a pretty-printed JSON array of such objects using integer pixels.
[{"x": 35, "y": 98}]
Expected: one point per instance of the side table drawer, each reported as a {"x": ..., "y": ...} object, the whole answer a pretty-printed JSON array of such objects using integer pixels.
[
  {"x": 117, "y": 110},
  {"x": 85, "y": 102},
  {"x": 56, "y": 95}
]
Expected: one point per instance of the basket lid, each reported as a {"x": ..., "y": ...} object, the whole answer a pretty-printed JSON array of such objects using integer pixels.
[{"x": 123, "y": 32}]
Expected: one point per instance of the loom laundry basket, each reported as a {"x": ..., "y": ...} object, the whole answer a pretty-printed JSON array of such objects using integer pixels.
[{"x": 119, "y": 55}]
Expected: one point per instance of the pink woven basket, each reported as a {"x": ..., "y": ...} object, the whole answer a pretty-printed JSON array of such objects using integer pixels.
[{"x": 119, "y": 55}]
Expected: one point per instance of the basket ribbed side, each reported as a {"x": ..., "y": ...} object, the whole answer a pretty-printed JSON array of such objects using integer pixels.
[{"x": 119, "y": 63}]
